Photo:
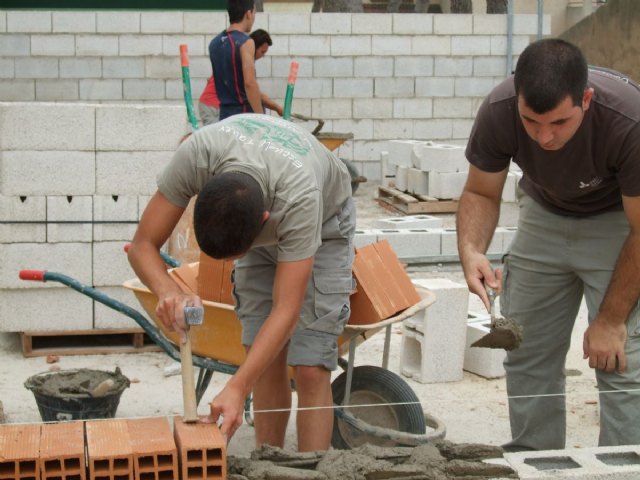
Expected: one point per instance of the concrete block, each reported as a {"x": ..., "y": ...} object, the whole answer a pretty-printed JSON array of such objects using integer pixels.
[
  {"x": 509, "y": 214},
  {"x": 97, "y": 45},
  {"x": 3, "y": 22},
  {"x": 510, "y": 187},
  {"x": 80, "y": 67},
  {"x": 591, "y": 463},
  {"x": 350, "y": 46},
  {"x": 453, "y": 24},
  {"x": 311, "y": 45},
  {"x": 390, "y": 44},
  {"x": 22, "y": 209},
  {"x": 416, "y": 66},
  {"x": 100, "y": 89},
  {"x": 409, "y": 221},
  {"x": 142, "y": 170},
  {"x": 364, "y": 237},
  {"x": 125, "y": 67},
  {"x": 140, "y": 45},
  {"x": 74, "y": 22},
  {"x": 443, "y": 323},
  {"x": 364, "y": 23},
  {"x": 73, "y": 259},
  {"x": 446, "y": 185},
  {"x": 401, "y": 151},
  {"x": 107, "y": 317},
  {"x": 290, "y": 23},
  {"x": 489, "y": 66},
  {"x": 143, "y": 89},
  {"x": 489, "y": 25},
  {"x": 453, "y": 107},
  {"x": 412, "y": 242},
  {"x": 331, "y": 24},
  {"x": 438, "y": 157},
  {"x": 53, "y": 45},
  {"x": 118, "y": 128},
  {"x": 460, "y": 128},
  {"x": 161, "y": 22},
  {"x": 434, "y": 87},
  {"x": 17, "y": 90},
  {"x": 386, "y": 169},
  {"x": 417, "y": 181},
  {"x": 205, "y": 22},
  {"x": 391, "y": 87},
  {"x": 69, "y": 209},
  {"x": 110, "y": 264},
  {"x": 30, "y": 21},
  {"x": 118, "y": 22},
  {"x": 31, "y": 67},
  {"x": 364, "y": 151},
  {"x": 45, "y": 309},
  {"x": 412, "y": 108},
  {"x": 486, "y": 362},
  {"x": 433, "y": 128},
  {"x": 315, "y": 88},
  {"x": 115, "y": 217},
  {"x": 412, "y": 24},
  {"x": 478, "y": 87},
  {"x": 471, "y": 45},
  {"x": 402, "y": 178},
  {"x": 373, "y": 108},
  {"x": 382, "y": 66},
  {"x": 197, "y": 45},
  {"x": 47, "y": 173},
  {"x": 57, "y": 90},
  {"x": 431, "y": 45},
  {"x": 353, "y": 87},
  {"x": 328, "y": 108},
  {"x": 449, "y": 241},
  {"x": 15, "y": 45},
  {"x": 280, "y": 67}
]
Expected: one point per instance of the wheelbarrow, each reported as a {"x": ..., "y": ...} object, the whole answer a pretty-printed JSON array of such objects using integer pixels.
[{"x": 389, "y": 414}]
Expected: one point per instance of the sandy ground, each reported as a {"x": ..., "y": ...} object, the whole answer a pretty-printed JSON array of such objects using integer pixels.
[{"x": 473, "y": 409}]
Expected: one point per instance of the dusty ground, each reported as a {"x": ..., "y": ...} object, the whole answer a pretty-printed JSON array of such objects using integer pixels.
[{"x": 473, "y": 409}]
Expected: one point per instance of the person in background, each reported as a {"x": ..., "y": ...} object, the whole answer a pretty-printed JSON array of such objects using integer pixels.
[
  {"x": 575, "y": 133},
  {"x": 209, "y": 104}
]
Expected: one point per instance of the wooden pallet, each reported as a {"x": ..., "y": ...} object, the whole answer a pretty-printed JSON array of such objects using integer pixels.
[
  {"x": 86, "y": 342},
  {"x": 410, "y": 204}
]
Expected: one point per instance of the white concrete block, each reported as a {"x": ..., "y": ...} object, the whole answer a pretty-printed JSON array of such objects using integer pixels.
[
  {"x": 57, "y": 90},
  {"x": 328, "y": 108},
  {"x": 45, "y": 309},
  {"x": 374, "y": 108},
  {"x": 433, "y": 128},
  {"x": 74, "y": 22},
  {"x": 161, "y": 22},
  {"x": 489, "y": 66},
  {"x": 31, "y": 21},
  {"x": 391, "y": 87},
  {"x": 364, "y": 151},
  {"x": 387, "y": 171},
  {"x": 73, "y": 259},
  {"x": 97, "y": 45},
  {"x": 449, "y": 310},
  {"x": 142, "y": 169},
  {"x": 80, "y": 67},
  {"x": 390, "y": 44},
  {"x": 100, "y": 89},
  {"x": 290, "y": 23},
  {"x": 15, "y": 45},
  {"x": 417, "y": 181},
  {"x": 509, "y": 214},
  {"x": 401, "y": 151},
  {"x": 409, "y": 221},
  {"x": 471, "y": 45},
  {"x": 29, "y": 126},
  {"x": 118, "y": 22},
  {"x": 143, "y": 89},
  {"x": 313, "y": 88},
  {"x": 17, "y": 90},
  {"x": 453, "y": 24},
  {"x": 392, "y": 129},
  {"x": 110, "y": 265},
  {"x": 53, "y": 45},
  {"x": 402, "y": 178},
  {"x": 489, "y": 24},
  {"x": 364, "y": 66},
  {"x": 434, "y": 87},
  {"x": 3, "y": 22},
  {"x": 115, "y": 217},
  {"x": 412, "y": 242},
  {"x": 431, "y": 45},
  {"x": 331, "y": 24},
  {"x": 47, "y": 173},
  {"x": 353, "y": 87},
  {"x": 413, "y": 108},
  {"x": 7, "y": 69},
  {"x": 31, "y": 67},
  {"x": 311, "y": 45},
  {"x": 62, "y": 209},
  {"x": 439, "y": 157},
  {"x": 205, "y": 22},
  {"x": 416, "y": 66},
  {"x": 140, "y": 45},
  {"x": 510, "y": 187},
  {"x": 486, "y": 362},
  {"x": 22, "y": 209},
  {"x": 118, "y": 127},
  {"x": 364, "y": 237},
  {"x": 107, "y": 317},
  {"x": 477, "y": 87},
  {"x": 453, "y": 107},
  {"x": 365, "y": 23},
  {"x": 351, "y": 46},
  {"x": 446, "y": 185},
  {"x": 412, "y": 24},
  {"x": 197, "y": 45},
  {"x": 125, "y": 67}
]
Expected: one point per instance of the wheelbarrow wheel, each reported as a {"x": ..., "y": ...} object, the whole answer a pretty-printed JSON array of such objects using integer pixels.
[
  {"x": 399, "y": 408},
  {"x": 355, "y": 175}
]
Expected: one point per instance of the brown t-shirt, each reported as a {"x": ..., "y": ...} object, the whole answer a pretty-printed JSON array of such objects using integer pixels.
[{"x": 587, "y": 175}]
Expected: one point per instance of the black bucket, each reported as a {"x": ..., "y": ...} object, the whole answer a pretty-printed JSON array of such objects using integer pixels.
[{"x": 79, "y": 394}]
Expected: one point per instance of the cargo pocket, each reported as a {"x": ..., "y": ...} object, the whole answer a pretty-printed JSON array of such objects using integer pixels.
[
  {"x": 633, "y": 324},
  {"x": 331, "y": 300}
]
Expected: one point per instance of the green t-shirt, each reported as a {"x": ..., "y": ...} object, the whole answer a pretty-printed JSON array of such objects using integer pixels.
[{"x": 303, "y": 183}]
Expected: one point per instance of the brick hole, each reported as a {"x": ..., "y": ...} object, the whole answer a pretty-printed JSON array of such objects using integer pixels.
[
  {"x": 27, "y": 466},
  {"x": 102, "y": 477},
  {"x": 194, "y": 456},
  {"x": 121, "y": 464},
  {"x": 72, "y": 463},
  {"x": 100, "y": 465},
  {"x": 165, "y": 460},
  {"x": 52, "y": 466},
  {"x": 194, "y": 472},
  {"x": 214, "y": 454},
  {"x": 54, "y": 478},
  {"x": 619, "y": 458},
  {"x": 145, "y": 462},
  {"x": 7, "y": 468},
  {"x": 552, "y": 463},
  {"x": 74, "y": 477},
  {"x": 214, "y": 472},
  {"x": 166, "y": 475},
  {"x": 147, "y": 476},
  {"x": 121, "y": 477}
]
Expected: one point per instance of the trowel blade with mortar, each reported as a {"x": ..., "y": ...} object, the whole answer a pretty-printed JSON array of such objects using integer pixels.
[{"x": 503, "y": 333}]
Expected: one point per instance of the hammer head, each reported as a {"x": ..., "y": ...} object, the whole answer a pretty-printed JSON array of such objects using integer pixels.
[{"x": 193, "y": 316}]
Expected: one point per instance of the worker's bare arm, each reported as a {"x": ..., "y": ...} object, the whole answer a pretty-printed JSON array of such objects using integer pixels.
[
  {"x": 271, "y": 105},
  {"x": 476, "y": 220},
  {"x": 158, "y": 221},
  {"x": 605, "y": 338},
  {"x": 289, "y": 287},
  {"x": 247, "y": 54}
]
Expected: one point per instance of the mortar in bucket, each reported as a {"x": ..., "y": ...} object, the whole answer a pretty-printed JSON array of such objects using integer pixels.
[{"x": 78, "y": 394}]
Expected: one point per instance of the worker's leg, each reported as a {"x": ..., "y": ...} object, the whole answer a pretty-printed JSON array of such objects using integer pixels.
[
  {"x": 620, "y": 392},
  {"x": 314, "y": 420},
  {"x": 253, "y": 281},
  {"x": 542, "y": 294},
  {"x": 208, "y": 114}
]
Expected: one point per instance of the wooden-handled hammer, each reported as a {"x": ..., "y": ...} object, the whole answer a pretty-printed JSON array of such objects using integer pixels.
[{"x": 193, "y": 316}]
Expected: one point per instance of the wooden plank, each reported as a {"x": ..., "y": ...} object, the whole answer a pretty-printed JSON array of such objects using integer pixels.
[
  {"x": 86, "y": 342},
  {"x": 409, "y": 204}
]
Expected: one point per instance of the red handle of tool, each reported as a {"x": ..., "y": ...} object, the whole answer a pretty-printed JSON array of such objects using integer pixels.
[
  {"x": 184, "y": 55},
  {"x": 127, "y": 246},
  {"x": 293, "y": 73},
  {"x": 35, "y": 275}
]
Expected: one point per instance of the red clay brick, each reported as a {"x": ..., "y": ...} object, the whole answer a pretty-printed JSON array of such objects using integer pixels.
[
  {"x": 62, "y": 451},
  {"x": 109, "y": 450},
  {"x": 19, "y": 450},
  {"x": 202, "y": 450},
  {"x": 155, "y": 455}
]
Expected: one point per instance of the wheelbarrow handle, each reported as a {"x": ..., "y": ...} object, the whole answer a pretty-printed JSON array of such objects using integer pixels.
[
  {"x": 34, "y": 275},
  {"x": 310, "y": 119},
  {"x": 168, "y": 259}
]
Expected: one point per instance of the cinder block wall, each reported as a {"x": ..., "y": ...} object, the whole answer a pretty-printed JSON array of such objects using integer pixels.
[{"x": 379, "y": 76}]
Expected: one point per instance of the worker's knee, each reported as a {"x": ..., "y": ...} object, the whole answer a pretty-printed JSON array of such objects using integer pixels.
[{"x": 310, "y": 379}]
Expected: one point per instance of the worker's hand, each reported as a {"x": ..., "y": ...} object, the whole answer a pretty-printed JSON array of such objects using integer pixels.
[
  {"x": 170, "y": 311},
  {"x": 279, "y": 109},
  {"x": 227, "y": 410},
  {"x": 603, "y": 345},
  {"x": 479, "y": 275}
]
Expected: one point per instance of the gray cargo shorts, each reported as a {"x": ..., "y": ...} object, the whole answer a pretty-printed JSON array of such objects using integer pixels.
[{"x": 326, "y": 304}]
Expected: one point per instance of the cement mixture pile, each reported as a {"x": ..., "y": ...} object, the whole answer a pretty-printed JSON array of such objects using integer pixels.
[{"x": 440, "y": 460}]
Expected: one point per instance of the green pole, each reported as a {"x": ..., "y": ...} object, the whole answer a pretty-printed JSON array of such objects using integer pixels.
[
  {"x": 288, "y": 97},
  {"x": 186, "y": 86}
]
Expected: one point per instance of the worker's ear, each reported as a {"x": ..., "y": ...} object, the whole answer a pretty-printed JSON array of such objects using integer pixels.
[
  {"x": 265, "y": 216},
  {"x": 586, "y": 99}
]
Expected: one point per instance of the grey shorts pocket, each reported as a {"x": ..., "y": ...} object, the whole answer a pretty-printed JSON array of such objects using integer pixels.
[
  {"x": 633, "y": 323},
  {"x": 331, "y": 300}
]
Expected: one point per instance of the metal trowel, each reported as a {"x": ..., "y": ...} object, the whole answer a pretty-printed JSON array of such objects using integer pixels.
[{"x": 503, "y": 333}]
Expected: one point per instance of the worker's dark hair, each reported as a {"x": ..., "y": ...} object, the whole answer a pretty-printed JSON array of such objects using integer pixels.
[
  {"x": 547, "y": 71},
  {"x": 227, "y": 215},
  {"x": 261, "y": 36},
  {"x": 237, "y": 8}
]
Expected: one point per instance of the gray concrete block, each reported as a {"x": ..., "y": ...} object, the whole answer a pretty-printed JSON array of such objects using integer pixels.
[
  {"x": 106, "y": 317},
  {"x": 110, "y": 264},
  {"x": 453, "y": 107},
  {"x": 438, "y": 157},
  {"x": 100, "y": 89},
  {"x": 353, "y": 87},
  {"x": 53, "y": 45},
  {"x": 22, "y": 209},
  {"x": 30, "y": 21},
  {"x": 446, "y": 185},
  {"x": 161, "y": 22},
  {"x": 15, "y": 45},
  {"x": 373, "y": 108},
  {"x": 476, "y": 87},
  {"x": 330, "y": 24},
  {"x": 143, "y": 89},
  {"x": 328, "y": 108},
  {"x": 391, "y": 87},
  {"x": 402, "y": 178},
  {"x": 142, "y": 169},
  {"x": 47, "y": 173},
  {"x": 73, "y": 259},
  {"x": 29, "y": 126},
  {"x": 21, "y": 233},
  {"x": 412, "y": 242},
  {"x": 3, "y": 22},
  {"x": 412, "y": 24},
  {"x": 30, "y": 67},
  {"x": 449, "y": 241},
  {"x": 45, "y": 309},
  {"x": 435, "y": 87},
  {"x": 123, "y": 67},
  {"x": 17, "y": 90},
  {"x": 387, "y": 129},
  {"x": 364, "y": 237},
  {"x": 66, "y": 209},
  {"x": 414, "y": 66},
  {"x": 452, "y": 24},
  {"x": 311, "y": 45},
  {"x": 97, "y": 45},
  {"x": 57, "y": 90},
  {"x": 382, "y": 66},
  {"x": 118, "y": 22},
  {"x": 390, "y": 44},
  {"x": 431, "y": 45},
  {"x": 409, "y": 221},
  {"x": 350, "y": 46},
  {"x": 197, "y": 45},
  {"x": 140, "y": 45},
  {"x": 7, "y": 68},
  {"x": 118, "y": 128},
  {"x": 486, "y": 362},
  {"x": 205, "y": 22},
  {"x": 73, "y": 22},
  {"x": 122, "y": 214},
  {"x": 592, "y": 463},
  {"x": 364, "y": 23},
  {"x": 417, "y": 181},
  {"x": 81, "y": 67},
  {"x": 401, "y": 151}
]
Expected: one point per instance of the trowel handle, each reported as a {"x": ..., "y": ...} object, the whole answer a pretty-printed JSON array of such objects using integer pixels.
[{"x": 491, "y": 293}]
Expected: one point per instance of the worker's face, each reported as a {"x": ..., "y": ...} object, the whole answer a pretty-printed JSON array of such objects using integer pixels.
[
  {"x": 553, "y": 129},
  {"x": 262, "y": 50}
]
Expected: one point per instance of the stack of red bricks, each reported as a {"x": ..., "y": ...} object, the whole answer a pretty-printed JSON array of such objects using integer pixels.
[{"x": 114, "y": 449}]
